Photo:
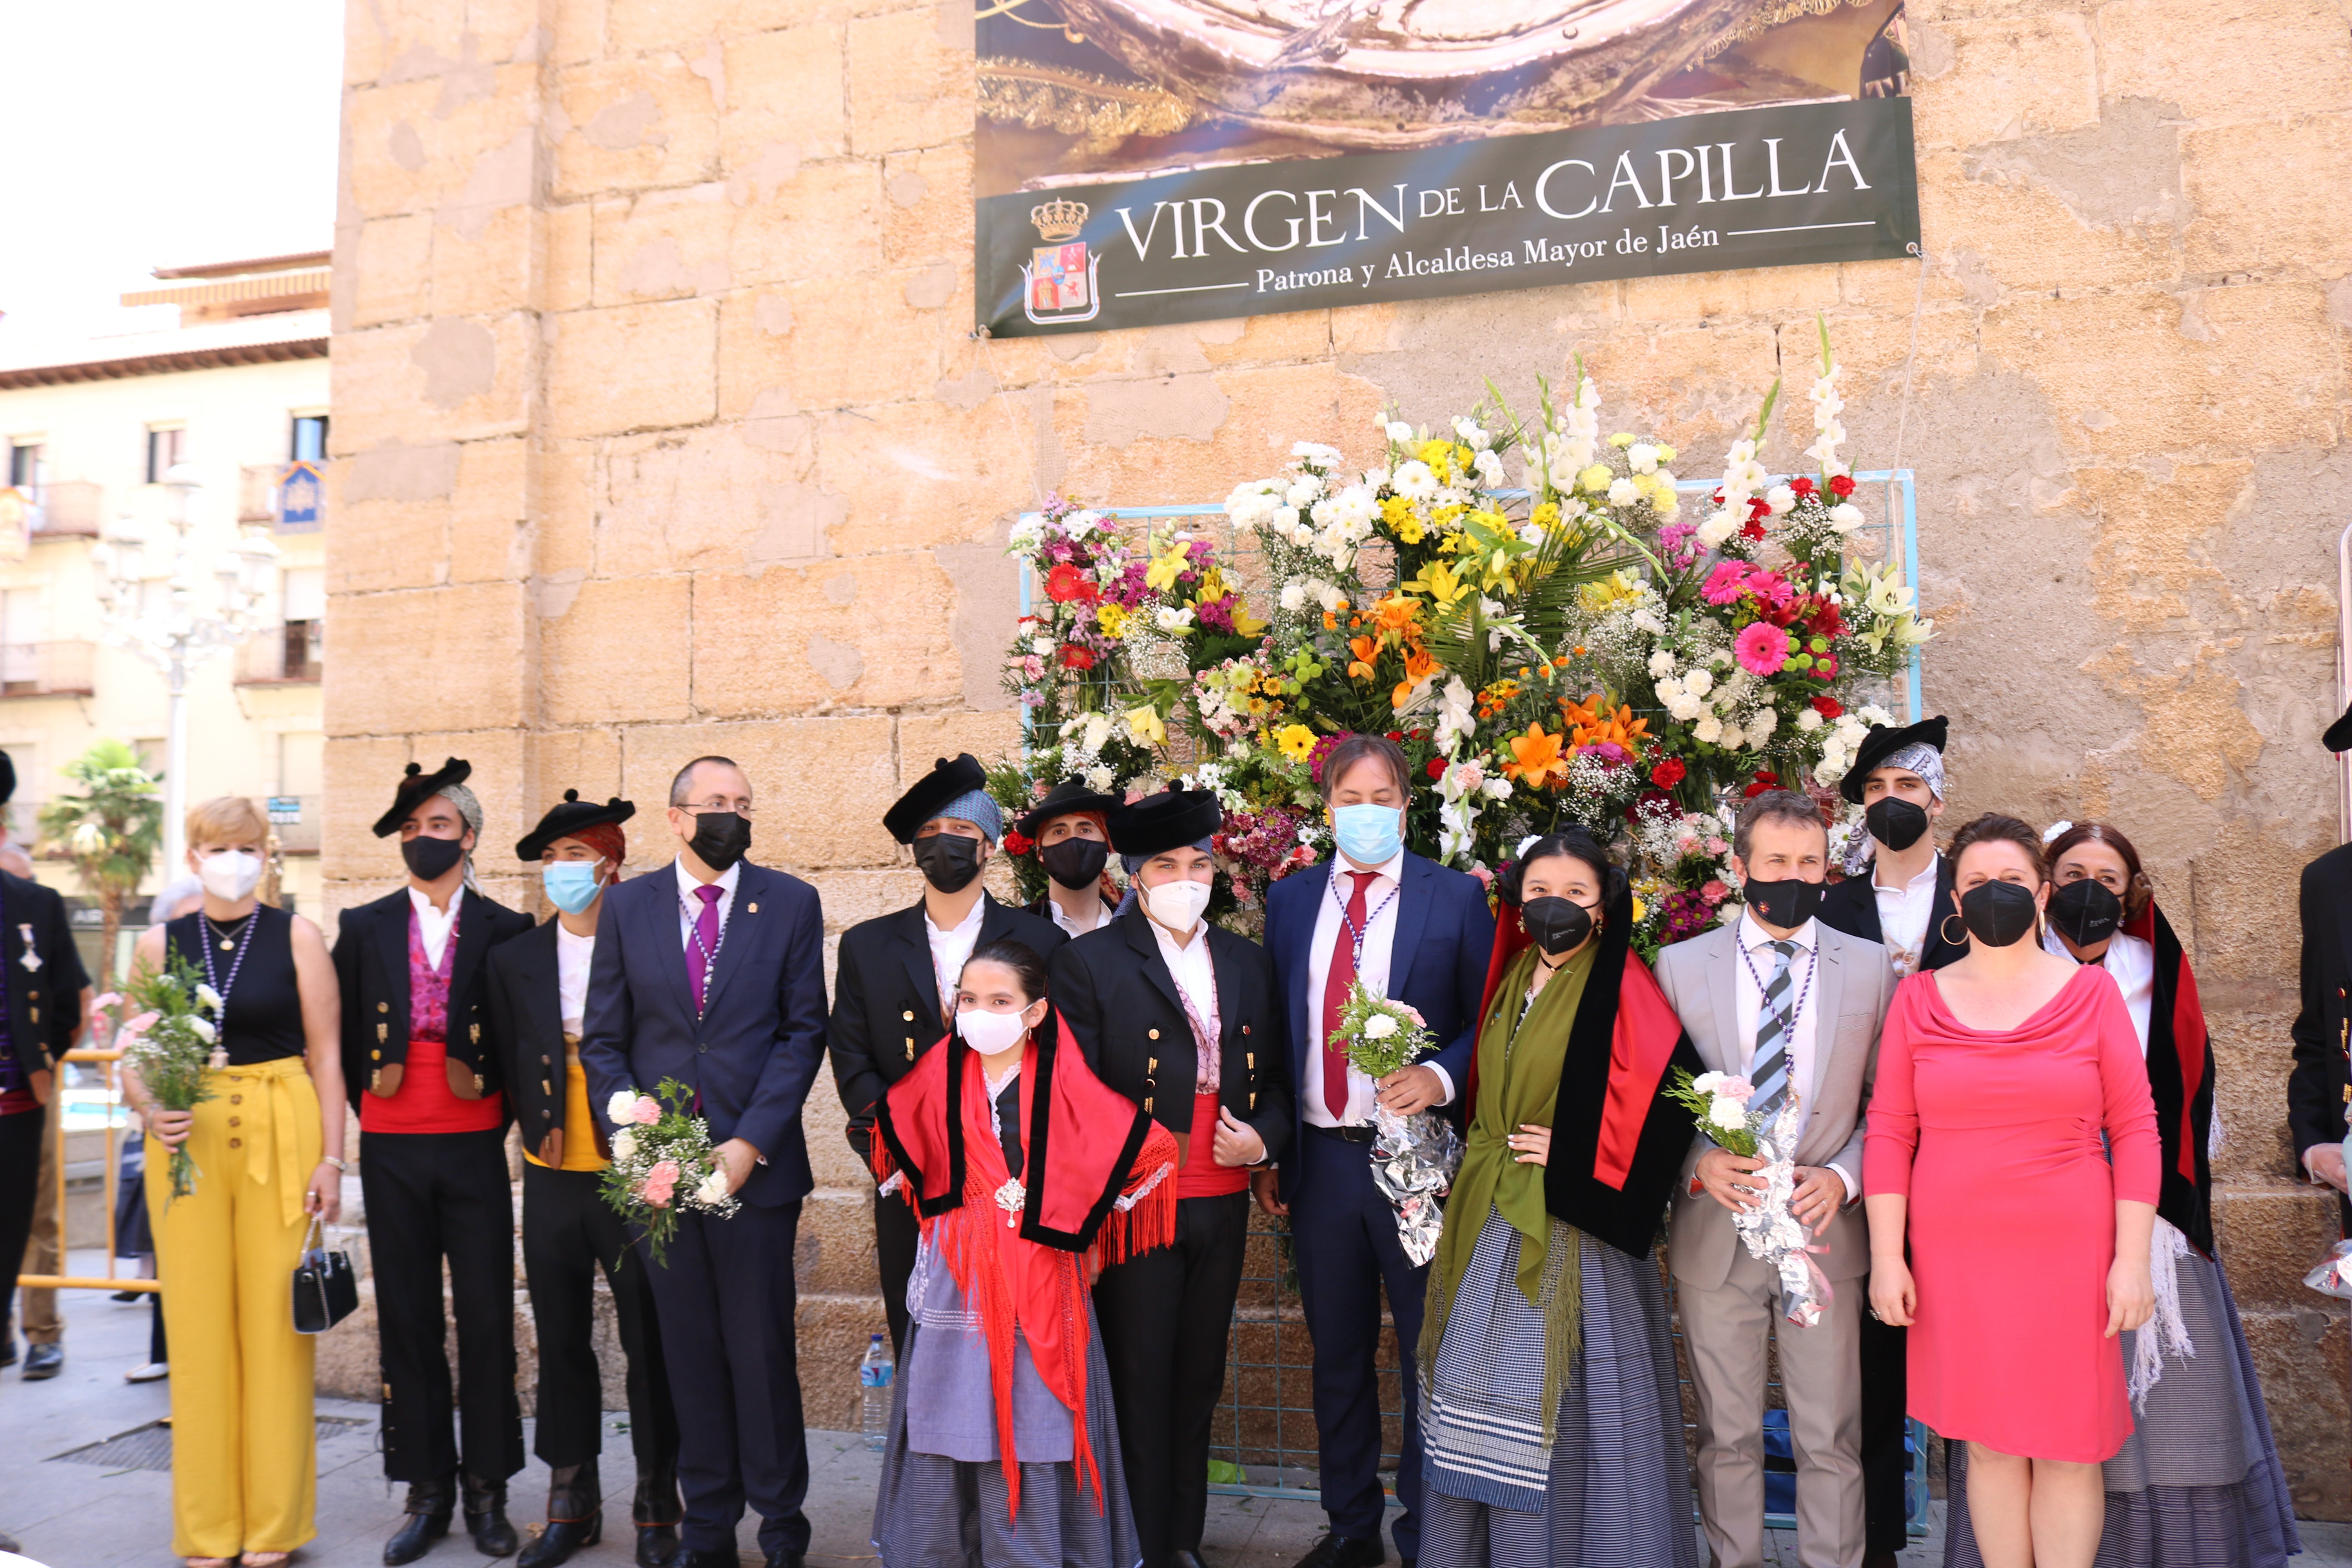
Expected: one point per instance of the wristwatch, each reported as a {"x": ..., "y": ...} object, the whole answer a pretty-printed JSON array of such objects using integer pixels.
[{"x": 335, "y": 1160}]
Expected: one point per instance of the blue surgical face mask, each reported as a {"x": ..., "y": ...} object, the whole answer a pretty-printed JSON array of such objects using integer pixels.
[
  {"x": 1368, "y": 834},
  {"x": 571, "y": 885}
]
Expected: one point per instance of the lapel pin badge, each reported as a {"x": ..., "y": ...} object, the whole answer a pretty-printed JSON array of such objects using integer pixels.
[{"x": 32, "y": 960}]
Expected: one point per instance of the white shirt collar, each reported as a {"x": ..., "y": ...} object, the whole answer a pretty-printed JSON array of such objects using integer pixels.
[
  {"x": 688, "y": 881},
  {"x": 1924, "y": 881},
  {"x": 971, "y": 920},
  {"x": 566, "y": 939},
  {"x": 1392, "y": 868},
  {"x": 1752, "y": 935},
  {"x": 423, "y": 905},
  {"x": 1168, "y": 938}
]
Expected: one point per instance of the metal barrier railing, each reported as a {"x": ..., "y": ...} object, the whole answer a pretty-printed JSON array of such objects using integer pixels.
[{"x": 110, "y": 1060}]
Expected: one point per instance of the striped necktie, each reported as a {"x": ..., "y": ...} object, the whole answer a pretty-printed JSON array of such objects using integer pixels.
[{"x": 1768, "y": 1068}]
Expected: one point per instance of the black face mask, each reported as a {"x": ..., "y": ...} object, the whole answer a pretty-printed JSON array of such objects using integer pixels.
[
  {"x": 1998, "y": 914},
  {"x": 2085, "y": 913},
  {"x": 1556, "y": 925},
  {"x": 1785, "y": 904},
  {"x": 1895, "y": 822},
  {"x": 429, "y": 859},
  {"x": 1075, "y": 862},
  {"x": 721, "y": 838},
  {"x": 949, "y": 861}
]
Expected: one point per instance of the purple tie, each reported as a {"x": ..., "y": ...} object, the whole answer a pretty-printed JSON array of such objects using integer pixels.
[{"x": 705, "y": 945}]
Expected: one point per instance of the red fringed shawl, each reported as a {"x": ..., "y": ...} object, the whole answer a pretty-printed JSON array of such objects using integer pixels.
[
  {"x": 1031, "y": 1270},
  {"x": 2180, "y": 1080},
  {"x": 1617, "y": 1145}
]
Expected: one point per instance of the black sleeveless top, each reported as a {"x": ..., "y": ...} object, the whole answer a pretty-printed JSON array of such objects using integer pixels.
[{"x": 262, "y": 1021}]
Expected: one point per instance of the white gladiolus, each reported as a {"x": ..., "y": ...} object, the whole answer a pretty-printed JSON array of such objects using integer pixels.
[
  {"x": 1379, "y": 1026},
  {"x": 1476, "y": 440},
  {"x": 1490, "y": 466}
]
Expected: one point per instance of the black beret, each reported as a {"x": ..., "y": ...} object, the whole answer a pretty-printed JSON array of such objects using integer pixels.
[
  {"x": 7, "y": 779},
  {"x": 2337, "y": 739},
  {"x": 1067, "y": 796},
  {"x": 569, "y": 817},
  {"x": 418, "y": 787},
  {"x": 946, "y": 781},
  {"x": 1169, "y": 820},
  {"x": 1882, "y": 742}
]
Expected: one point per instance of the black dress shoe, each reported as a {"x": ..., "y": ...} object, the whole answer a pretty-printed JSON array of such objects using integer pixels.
[
  {"x": 43, "y": 1361},
  {"x": 575, "y": 1516},
  {"x": 657, "y": 1512},
  {"x": 1344, "y": 1551},
  {"x": 1185, "y": 1557},
  {"x": 687, "y": 1557},
  {"x": 429, "y": 1506},
  {"x": 8, "y": 1349},
  {"x": 486, "y": 1518},
  {"x": 786, "y": 1557},
  {"x": 8, "y": 1542}
]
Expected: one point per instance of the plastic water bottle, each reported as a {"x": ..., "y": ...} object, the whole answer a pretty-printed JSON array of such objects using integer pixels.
[{"x": 874, "y": 1376}]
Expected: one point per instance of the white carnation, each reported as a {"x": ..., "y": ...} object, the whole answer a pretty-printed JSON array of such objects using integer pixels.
[
  {"x": 1623, "y": 492},
  {"x": 1041, "y": 646},
  {"x": 1846, "y": 517},
  {"x": 210, "y": 999},
  {"x": 1706, "y": 1082},
  {"x": 1698, "y": 682},
  {"x": 713, "y": 1190},
  {"x": 625, "y": 1145},
  {"x": 1717, "y": 529},
  {"x": 1294, "y": 596},
  {"x": 1709, "y": 731},
  {"x": 1728, "y": 1113},
  {"x": 1684, "y": 707},
  {"x": 201, "y": 1030},
  {"x": 1398, "y": 430},
  {"x": 1809, "y": 720},
  {"x": 621, "y": 1106},
  {"x": 1781, "y": 499},
  {"x": 1099, "y": 778},
  {"x": 1643, "y": 456},
  {"x": 1760, "y": 728},
  {"x": 1379, "y": 1026},
  {"x": 1661, "y": 664}
]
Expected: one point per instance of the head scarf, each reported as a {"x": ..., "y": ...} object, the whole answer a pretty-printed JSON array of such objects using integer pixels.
[
  {"x": 1918, "y": 757},
  {"x": 470, "y": 810},
  {"x": 978, "y": 808}
]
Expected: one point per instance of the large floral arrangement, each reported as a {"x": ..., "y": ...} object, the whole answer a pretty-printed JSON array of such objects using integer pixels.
[{"x": 1578, "y": 647}]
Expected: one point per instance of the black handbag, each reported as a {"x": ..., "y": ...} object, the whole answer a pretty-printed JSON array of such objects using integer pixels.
[{"x": 326, "y": 1291}]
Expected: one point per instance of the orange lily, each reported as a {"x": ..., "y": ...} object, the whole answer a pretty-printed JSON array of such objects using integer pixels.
[
  {"x": 1396, "y": 612},
  {"x": 1537, "y": 758},
  {"x": 1365, "y": 649},
  {"x": 1419, "y": 666}
]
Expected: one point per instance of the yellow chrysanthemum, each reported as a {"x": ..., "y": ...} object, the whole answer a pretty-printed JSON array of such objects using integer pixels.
[
  {"x": 1111, "y": 620},
  {"x": 1665, "y": 453},
  {"x": 1595, "y": 479}
]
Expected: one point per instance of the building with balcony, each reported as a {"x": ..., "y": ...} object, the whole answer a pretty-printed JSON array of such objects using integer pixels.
[{"x": 237, "y": 390}]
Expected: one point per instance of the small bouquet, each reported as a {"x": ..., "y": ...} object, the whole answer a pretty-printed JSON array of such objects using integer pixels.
[
  {"x": 2334, "y": 1275},
  {"x": 661, "y": 1158},
  {"x": 1413, "y": 1157},
  {"x": 1770, "y": 1230},
  {"x": 171, "y": 1037}
]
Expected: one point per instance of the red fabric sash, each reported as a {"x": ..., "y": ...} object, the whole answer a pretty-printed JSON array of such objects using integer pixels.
[
  {"x": 2189, "y": 1037},
  {"x": 1093, "y": 1147},
  {"x": 1642, "y": 1046}
]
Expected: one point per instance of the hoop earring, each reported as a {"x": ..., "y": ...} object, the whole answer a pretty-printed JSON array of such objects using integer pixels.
[{"x": 1944, "y": 930}]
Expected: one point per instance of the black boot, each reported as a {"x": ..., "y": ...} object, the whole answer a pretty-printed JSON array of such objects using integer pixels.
[
  {"x": 429, "y": 1506},
  {"x": 486, "y": 1518},
  {"x": 575, "y": 1517},
  {"x": 657, "y": 1512}
]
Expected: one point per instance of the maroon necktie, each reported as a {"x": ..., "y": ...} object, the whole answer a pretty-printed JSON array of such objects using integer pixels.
[
  {"x": 704, "y": 948},
  {"x": 1335, "y": 998}
]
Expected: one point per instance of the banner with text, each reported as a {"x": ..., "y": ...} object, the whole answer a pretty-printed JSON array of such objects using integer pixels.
[{"x": 1301, "y": 163}]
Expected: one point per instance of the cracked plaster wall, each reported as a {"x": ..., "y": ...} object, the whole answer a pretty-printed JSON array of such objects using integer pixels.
[{"x": 659, "y": 427}]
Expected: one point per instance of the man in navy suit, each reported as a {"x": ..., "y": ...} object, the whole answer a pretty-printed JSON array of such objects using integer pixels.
[
  {"x": 1422, "y": 934},
  {"x": 713, "y": 973}
]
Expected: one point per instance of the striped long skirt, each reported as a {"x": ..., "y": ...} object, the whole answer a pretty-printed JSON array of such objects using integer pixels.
[{"x": 1614, "y": 1488}]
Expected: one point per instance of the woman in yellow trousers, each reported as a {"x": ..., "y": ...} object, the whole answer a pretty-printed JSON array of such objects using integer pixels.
[{"x": 244, "y": 1465}]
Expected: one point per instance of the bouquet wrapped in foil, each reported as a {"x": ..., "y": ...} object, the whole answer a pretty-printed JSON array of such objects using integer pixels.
[
  {"x": 1770, "y": 1230},
  {"x": 1413, "y": 1157}
]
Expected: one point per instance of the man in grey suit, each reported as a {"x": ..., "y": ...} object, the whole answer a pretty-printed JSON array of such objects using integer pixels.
[{"x": 1795, "y": 1007}]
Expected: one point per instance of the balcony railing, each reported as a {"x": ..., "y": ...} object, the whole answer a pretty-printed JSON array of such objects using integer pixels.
[
  {"x": 47, "y": 669},
  {"x": 284, "y": 654},
  {"x": 68, "y": 509}
]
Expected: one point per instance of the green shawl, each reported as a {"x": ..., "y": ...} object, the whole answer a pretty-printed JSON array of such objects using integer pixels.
[{"x": 1518, "y": 1073}]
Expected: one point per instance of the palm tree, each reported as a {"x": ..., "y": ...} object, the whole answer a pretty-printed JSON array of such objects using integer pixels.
[{"x": 110, "y": 831}]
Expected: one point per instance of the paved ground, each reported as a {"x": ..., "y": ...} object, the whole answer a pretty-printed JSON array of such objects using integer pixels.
[{"x": 72, "y": 1515}]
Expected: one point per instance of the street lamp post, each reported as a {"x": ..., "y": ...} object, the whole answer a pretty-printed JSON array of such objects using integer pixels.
[{"x": 176, "y": 636}]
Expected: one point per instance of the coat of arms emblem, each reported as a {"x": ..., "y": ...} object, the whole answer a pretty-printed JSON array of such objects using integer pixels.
[{"x": 1059, "y": 283}]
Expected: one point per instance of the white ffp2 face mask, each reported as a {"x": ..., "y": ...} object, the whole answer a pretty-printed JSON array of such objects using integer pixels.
[
  {"x": 1176, "y": 905},
  {"x": 990, "y": 1033},
  {"x": 230, "y": 875}
]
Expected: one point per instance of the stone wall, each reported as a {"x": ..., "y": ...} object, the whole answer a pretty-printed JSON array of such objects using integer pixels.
[{"x": 658, "y": 430}]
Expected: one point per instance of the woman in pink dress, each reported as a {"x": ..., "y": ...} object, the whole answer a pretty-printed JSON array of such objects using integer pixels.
[{"x": 2028, "y": 1250}]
